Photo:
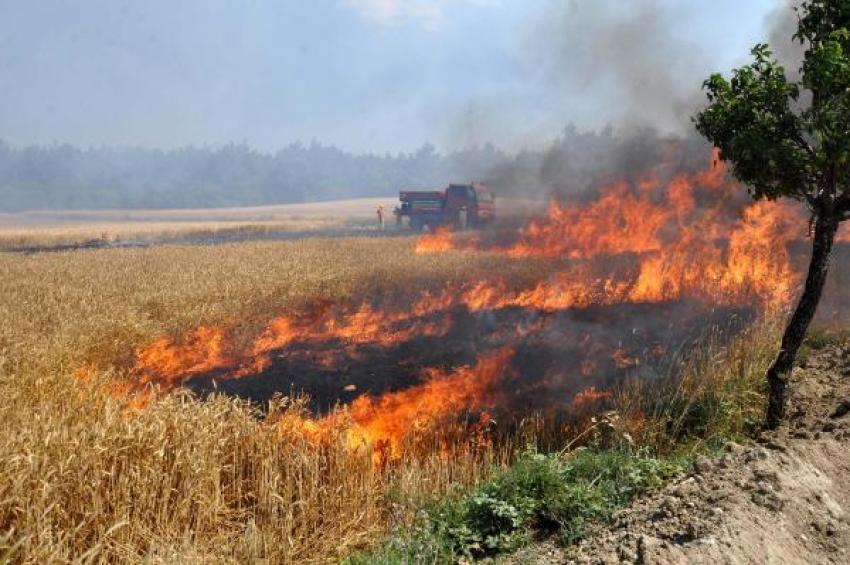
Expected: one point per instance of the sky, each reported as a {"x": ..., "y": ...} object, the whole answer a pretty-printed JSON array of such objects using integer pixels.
[{"x": 365, "y": 75}]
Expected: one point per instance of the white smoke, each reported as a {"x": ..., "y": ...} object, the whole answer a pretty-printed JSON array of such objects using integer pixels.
[{"x": 782, "y": 25}]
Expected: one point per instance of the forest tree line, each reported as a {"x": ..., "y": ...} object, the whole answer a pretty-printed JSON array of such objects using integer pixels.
[{"x": 61, "y": 176}]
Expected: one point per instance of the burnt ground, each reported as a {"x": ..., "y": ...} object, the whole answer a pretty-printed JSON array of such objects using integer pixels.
[
  {"x": 557, "y": 354},
  {"x": 783, "y": 499}
]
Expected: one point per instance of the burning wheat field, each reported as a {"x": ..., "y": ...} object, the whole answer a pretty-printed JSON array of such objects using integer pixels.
[
  {"x": 543, "y": 283},
  {"x": 298, "y": 400},
  {"x": 639, "y": 271}
]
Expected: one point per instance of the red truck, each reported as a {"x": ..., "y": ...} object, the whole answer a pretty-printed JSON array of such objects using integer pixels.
[{"x": 459, "y": 205}]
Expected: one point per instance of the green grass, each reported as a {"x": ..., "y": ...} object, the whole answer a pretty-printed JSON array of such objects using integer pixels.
[
  {"x": 554, "y": 494},
  {"x": 818, "y": 338}
]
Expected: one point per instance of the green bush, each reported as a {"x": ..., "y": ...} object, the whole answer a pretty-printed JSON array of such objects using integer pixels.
[{"x": 554, "y": 493}]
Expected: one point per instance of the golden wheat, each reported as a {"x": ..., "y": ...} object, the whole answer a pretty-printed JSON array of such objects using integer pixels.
[
  {"x": 85, "y": 477},
  {"x": 81, "y": 476}
]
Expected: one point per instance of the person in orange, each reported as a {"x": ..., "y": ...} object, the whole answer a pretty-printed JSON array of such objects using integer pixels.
[{"x": 381, "y": 217}]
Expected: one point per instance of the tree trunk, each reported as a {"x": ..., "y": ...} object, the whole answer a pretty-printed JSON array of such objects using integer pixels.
[{"x": 795, "y": 332}]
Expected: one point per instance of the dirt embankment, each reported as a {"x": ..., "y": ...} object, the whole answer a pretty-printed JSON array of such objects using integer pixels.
[{"x": 784, "y": 499}]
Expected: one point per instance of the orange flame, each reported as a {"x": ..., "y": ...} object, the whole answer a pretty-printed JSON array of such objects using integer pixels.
[
  {"x": 167, "y": 363},
  {"x": 384, "y": 423},
  {"x": 687, "y": 235},
  {"x": 390, "y": 418},
  {"x": 645, "y": 241},
  {"x": 436, "y": 242},
  {"x": 590, "y": 396}
]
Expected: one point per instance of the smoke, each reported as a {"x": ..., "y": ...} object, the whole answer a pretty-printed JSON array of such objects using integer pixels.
[
  {"x": 781, "y": 24},
  {"x": 628, "y": 76},
  {"x": 626, "y": 80},
  {"x": 576, "y": 162},
  {"x": 635, "y": 65},
  {"x": 626, "y": 62}
]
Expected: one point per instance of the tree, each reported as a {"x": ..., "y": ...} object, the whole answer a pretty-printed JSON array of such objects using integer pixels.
[{"x": 791, "y": 139}]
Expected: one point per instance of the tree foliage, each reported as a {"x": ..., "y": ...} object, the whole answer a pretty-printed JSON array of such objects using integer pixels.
[
  {"x": 61, "y": 176},
  {"x": 788, "y": 138},
  {"x": 65, "y": 177},
  {"x": 785, "y": 138}
]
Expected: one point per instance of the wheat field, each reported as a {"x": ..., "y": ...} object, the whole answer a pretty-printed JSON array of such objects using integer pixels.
[
  {"x": 84, "y": 478},
  {"x": 34, "y": 230}
]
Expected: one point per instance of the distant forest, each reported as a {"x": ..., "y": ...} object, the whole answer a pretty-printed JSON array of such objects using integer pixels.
[{"x": 61, "y": 176}]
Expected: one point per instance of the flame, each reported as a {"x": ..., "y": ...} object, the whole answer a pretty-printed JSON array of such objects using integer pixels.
[
  {"x": 386, "y": 422},
  {"x": 701, "y": 250},
  {"x": 590, "y": 396},
  {"x": 623, "y": 360},
  {"x": 166, "y": 362},
  {"x": 652, "y": 239},
  {"x": 389, "y": 419},
  {"x": 688, "y": 236},
  {"x": 672, "y": 240},
  {"x": 436, "y": 242}
]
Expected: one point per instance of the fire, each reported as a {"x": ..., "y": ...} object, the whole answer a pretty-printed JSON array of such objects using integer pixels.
[
  {"x": 168, "y": 362},
  {"x": 623, "y": 360},
  {"x": 389, "y": 419},
  {"x": 591, "y": 396},
  {"x": 165, "y": 362},
  {"x": 687, "y": 236},
  {"x": 658, "y": 239},
  {"x": 384, "y": 423},
  {"x": 436, "y": 242}
]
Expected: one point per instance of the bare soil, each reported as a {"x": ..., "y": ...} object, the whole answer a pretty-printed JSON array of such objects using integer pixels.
[{"x": 783, "y": 499}]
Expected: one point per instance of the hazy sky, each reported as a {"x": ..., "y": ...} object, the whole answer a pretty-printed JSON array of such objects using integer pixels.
[{"x": 368, "y": 75}]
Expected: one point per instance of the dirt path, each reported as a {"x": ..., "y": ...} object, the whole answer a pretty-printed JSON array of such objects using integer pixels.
[{"x": 785, "y": 499}]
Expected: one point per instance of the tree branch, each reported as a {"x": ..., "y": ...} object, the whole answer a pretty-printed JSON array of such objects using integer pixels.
[{"x": 803, "y": 144}]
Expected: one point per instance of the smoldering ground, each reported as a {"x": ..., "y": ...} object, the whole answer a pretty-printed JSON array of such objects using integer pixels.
[{"x": 555, "y": 354}]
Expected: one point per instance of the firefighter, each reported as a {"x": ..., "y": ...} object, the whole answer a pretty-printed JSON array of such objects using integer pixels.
[
  {"x": 462, "y": 218},
  {"x": 381, "y": 217}
]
